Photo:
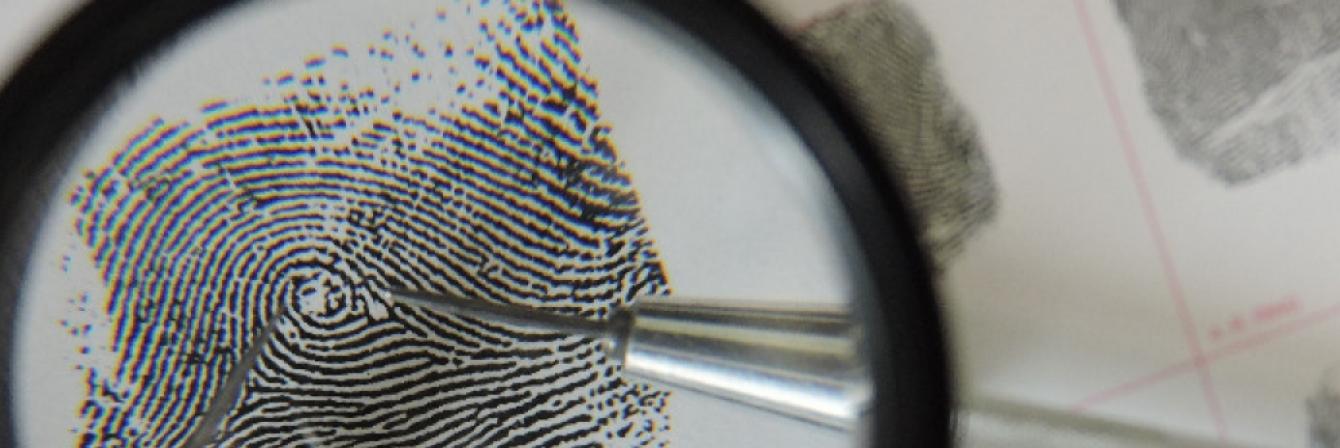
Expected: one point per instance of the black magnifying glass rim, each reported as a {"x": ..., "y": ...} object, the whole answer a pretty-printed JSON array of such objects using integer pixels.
[{"x": 71, "y": 72}]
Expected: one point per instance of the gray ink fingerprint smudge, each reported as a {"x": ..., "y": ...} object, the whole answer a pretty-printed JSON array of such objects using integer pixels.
[
  {"x": 884, "y": 63},
  {"x": 1323, "y": 410},
  {"x": 478, "y": 166},
  {"x": 1243, "y": 88}
]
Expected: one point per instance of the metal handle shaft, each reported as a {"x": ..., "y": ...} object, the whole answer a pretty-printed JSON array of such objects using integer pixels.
[{"x": 798, "y": 361}]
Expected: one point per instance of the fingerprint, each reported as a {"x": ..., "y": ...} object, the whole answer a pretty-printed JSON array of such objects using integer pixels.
[
  {"x": 1243, "y": 88},
  {"x": 430, "y": 158},
  {"x": 884, "y": 63},
  {"x": 1323, "y": 411}
]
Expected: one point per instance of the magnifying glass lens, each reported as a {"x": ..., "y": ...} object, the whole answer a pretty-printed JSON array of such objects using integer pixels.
[{"x": 215, "y": 263}]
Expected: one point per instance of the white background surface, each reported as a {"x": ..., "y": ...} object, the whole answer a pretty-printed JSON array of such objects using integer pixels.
[{"x": 1064, "y": 295}]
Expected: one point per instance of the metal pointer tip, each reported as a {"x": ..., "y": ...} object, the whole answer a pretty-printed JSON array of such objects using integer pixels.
[{"x": 531, "y": 318}]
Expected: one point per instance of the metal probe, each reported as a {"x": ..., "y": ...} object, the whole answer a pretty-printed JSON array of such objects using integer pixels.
[
  {"x": 799, "y": 361},
  {"x": 208, "y": 428}
]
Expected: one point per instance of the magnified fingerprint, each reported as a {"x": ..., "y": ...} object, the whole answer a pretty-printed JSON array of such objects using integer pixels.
[{"x": 438, "y": 159}]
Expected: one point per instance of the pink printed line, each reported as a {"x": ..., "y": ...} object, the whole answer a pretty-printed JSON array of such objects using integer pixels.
[
  {"x": 1241, "y": 345},
  {"x": 1249, "y": 342},
  {"x": 1134, "y": 385},
  {"x": 1136, "y": 168}
]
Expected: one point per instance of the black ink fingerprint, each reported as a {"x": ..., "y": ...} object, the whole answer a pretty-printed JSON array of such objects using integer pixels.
[
  {"x": 884, "y": 63},
  {"x": 307, "y": 205},
  {"x": 1243, "y": 88}
]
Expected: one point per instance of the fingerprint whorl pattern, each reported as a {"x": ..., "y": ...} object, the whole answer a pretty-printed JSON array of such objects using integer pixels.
[{"x": 476, "y": 165}]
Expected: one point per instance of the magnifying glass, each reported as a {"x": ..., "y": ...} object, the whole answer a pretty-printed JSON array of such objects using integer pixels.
[{"x": 451, "y": 224}]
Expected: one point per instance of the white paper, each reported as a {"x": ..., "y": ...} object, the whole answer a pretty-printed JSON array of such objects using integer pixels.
[{"x": 1065, "y": 300}]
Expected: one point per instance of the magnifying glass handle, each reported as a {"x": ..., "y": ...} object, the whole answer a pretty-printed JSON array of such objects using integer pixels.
[{"x": 798, "y": 361}]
